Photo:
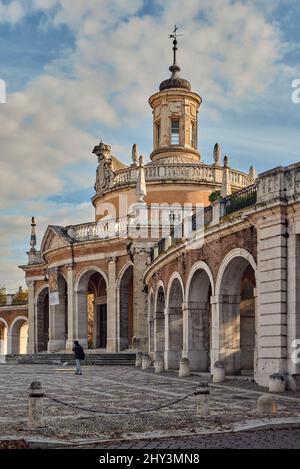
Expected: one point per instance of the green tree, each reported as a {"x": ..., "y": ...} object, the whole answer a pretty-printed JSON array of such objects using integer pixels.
[
  {"x": 2, "y": 296},
  {"x": 20, "y": 297}
]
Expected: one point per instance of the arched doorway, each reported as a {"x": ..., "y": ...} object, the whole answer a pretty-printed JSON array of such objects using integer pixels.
[
  {"x": 126, "y": 309},
  {"x": 174, "y": 325},
  {"x": 19, "y": 335},
  {"x": 42, "y": 317},
  {"x": 198, "y": 321},
  {"x": 91, "y": 307},
  {"x": 97, "y": 312},
  {"x": 159, "y": 324},
  {"x": 3, "y": 337},
  {"x": 237, "y": 313}
]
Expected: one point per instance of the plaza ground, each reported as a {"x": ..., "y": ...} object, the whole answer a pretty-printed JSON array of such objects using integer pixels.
[{"x": 116, "y": 392}]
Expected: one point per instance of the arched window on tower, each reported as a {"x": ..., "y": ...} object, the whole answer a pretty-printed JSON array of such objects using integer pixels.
[
  {"x": 174, "y": 132},
  {"x": 193, "y": 134}
]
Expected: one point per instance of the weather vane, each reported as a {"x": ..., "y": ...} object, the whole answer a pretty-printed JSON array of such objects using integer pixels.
[
  {"x": 174, "y": 35},
  {"x": 174, "y": 68}
]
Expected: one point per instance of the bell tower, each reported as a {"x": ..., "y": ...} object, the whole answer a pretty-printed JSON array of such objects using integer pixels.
[{"x": 175, "y": 117}]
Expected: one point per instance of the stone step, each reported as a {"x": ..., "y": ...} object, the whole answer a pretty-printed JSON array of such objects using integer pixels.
[{"x": 90, "y": 359}]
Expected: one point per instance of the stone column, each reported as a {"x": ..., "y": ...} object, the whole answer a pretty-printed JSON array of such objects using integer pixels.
[
  {"x": 112, "y": 315},
  {"x": 229, "y": 315},
  {"x": 174, "y": 329},
  {"x": 32, "y": 322},
  {"x": 151, "y": 337},
  {"x": 159, "y": 332},
  {"x": 71, "y": 308},
  {"x": 271, "y": 296},
  {"x": 140, "y": 323},
  {"x": 164, "y": 124},
  {"x": 195, "y": 335},
  {"x": 57, "y": 325},
  {"x": 215, "y": 331},
  {"x": 293, "y": 323},
  {"x": 81, "y": 318}
]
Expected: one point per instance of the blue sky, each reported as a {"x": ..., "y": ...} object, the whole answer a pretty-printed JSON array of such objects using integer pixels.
[{"x": 83, "y": 70}]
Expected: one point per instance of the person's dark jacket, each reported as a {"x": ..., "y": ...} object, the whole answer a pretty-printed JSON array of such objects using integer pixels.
[{"x": 78, "y": 352}]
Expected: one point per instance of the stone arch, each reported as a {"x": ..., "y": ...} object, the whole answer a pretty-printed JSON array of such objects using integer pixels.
[
  {"x": 3, "y": 337},
  {"x": 198, "y": 317},
  {"x": 235, "y": 290},
  {"x": 159, "y": 320},
  {"x": 174, "y": 321},
  {"x": 18, "y": 333},
  {"x": 238, "y": 252},
  {"x": 122, "y": 272},
  {"x": 83, "y": 277},
  {"x": 125, "y": 307},
  {"x": 41, "y": 305},
  {"x": 91, "y": 304},
  {"x": 175, "y": 275},
  {"x": 196, "y": 267},
  {"x": 160, "y": 287}
]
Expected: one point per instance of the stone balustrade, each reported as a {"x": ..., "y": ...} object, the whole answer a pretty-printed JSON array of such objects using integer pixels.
[
  {"x": 98, "y": 230},
  {"x": 201, "y": 173},
  {"x": 282, "y": 183}
]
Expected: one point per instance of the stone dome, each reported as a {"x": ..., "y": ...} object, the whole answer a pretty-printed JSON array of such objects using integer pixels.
[{"x": 175, "y": 82}]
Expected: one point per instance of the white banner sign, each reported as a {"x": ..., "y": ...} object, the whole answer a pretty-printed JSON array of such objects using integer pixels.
[{"x": 53, "y": 298}]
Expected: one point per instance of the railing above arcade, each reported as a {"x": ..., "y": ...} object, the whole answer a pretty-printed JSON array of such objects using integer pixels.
[
  {"x": 240, "y": 200},
  {"x": 12, "y": 300},
  {"x": 233, "y": 203}
]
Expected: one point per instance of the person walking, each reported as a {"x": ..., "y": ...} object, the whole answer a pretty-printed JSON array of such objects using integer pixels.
[{"x": 79, "y": 355}]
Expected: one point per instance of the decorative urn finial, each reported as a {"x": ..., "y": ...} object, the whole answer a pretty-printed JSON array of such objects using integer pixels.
[
  {"x": 141, "y": 190},
  {"x": 135, "y": 155},
  {"x": 217, "y": 154},
  {"x": 33, "y": 235},
  {"x": 252, "y": 172}
]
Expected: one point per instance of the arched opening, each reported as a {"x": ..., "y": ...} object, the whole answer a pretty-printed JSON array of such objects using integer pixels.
[
  {"x": 97, "y": 312},
  {"x": 151, "y": 325},
  {"x": 3, "y": 338},
  {"x": 42, "y": 315},
  {"x": 175, "y": 325},
  {"x": 237, "y": 316},
  {"x": 159, "y": 324},
  {"x": 198, "y": 335},
  {"x": 58, "y": 319},
  {"x": 247, "y": 321},
  {"x": 92, "y": 310},
  {"x": 126, "y": 309},
  {"x": 19, "y": 336}
]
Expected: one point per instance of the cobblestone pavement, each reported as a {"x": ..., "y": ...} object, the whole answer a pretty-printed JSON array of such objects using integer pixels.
[
  {"x": 120, "y": 389},
  {"x": 263, "y": 439}
]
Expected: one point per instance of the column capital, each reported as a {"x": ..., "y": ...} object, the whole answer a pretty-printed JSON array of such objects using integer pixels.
[
  {"x": 234, "y": 299},
  {"x": 30, "y": 283},
  {"x": 111, "y": 259}
]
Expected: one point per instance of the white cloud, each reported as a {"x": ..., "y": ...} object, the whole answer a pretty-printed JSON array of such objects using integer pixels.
[
  {"x": 230, "y": 52},
  {"x": 12, "y": 12}
]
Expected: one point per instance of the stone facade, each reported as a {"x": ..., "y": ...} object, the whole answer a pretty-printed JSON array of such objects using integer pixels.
[
  {"x": 239, "y": 290},
  {"x": 232, "y": 297},
  {"x": 13, "y": 328}
]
